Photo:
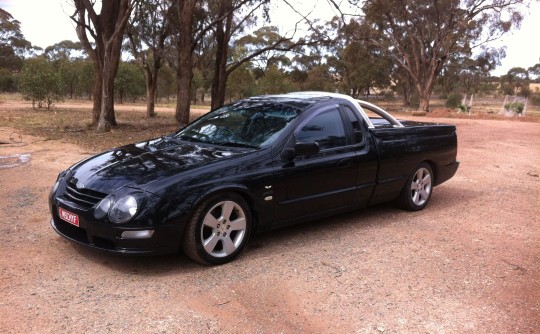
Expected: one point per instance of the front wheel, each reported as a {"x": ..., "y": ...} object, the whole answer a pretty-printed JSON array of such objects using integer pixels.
[
  {"x": 417, "y": 191},
  {"x": 218, "y": 229}
]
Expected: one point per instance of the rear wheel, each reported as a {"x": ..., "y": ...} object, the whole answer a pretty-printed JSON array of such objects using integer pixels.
[
  {"x": 218, "y": 230},
  {"x": 417, "y": 191}
]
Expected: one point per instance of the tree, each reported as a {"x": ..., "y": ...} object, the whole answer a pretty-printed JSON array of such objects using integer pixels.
[
  {"x": 40, "y": 83},
  {"x": 106, "y": 29},
  {"x": 465, "y": 74},
  {"x": 66, "y": 57},
  {"x": 232, "y": 17},
  {"x": 13, "y": 46},
  {"x": 64, "y": 50},
  {"x": 515, "y": 81},
  {"x": 534, "y": 72},
  {"x": 241, "y": 83},
  {"x": 186, "y": 43},
  {"x": 129, "y": 82},
  {"x": 274, "y": 81},
  {"x": 360, "y": 66},
  {"x": 421, "y": 35},
  {"x": 148, "y": 31}
]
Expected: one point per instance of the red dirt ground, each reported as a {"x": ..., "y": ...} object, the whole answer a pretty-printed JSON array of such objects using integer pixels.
[{"x": 469, "y": 262}]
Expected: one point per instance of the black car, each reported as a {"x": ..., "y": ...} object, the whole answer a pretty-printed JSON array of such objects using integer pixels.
[{"x": 256, "y": 164}]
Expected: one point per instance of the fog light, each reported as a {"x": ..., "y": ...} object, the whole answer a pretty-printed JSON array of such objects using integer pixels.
[{"x": 144, "y": 234}]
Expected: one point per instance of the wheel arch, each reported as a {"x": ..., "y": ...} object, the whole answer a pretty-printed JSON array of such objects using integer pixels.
[
  {"x": 433, "y": 166},
  {"x": 240, "y": 190}
]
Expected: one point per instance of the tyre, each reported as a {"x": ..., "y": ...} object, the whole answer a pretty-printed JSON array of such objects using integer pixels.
[
  {"x": 417, "y": 191},
  {"x": 218, "y": 230}
]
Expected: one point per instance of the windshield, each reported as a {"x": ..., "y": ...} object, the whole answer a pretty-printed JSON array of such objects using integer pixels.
[{"x": 243, "y": 124}]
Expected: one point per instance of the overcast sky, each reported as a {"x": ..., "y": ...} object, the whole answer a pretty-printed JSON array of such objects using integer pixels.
[{"x": 46, "y": 22}]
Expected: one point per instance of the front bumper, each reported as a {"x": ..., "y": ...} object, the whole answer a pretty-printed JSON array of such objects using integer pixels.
[{"x": 164, "y": 239}]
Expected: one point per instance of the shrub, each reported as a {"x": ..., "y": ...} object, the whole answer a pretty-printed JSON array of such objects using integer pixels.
[
  {"x": 516, "y": 107},
  {"x": 463, "y": 108},
  {"x": 454, "y": 100},
  {"x": 40, "y": 83}
]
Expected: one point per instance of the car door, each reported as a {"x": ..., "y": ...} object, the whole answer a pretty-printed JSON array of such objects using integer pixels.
[{"x": 328, "y": 181}]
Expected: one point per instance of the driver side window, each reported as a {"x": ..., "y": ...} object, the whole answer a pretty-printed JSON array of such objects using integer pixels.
[{"x": 326, "y": 129}]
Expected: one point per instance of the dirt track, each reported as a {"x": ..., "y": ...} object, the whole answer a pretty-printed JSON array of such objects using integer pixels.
[{"x": 470, "y": 262}]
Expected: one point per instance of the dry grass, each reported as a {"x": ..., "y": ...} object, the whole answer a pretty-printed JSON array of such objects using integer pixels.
[
  {"x": 71, "y": 121},
  {"x": 74, "y": 124}
]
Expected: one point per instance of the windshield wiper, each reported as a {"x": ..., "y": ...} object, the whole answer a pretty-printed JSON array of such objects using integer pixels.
[{"x": 235, "y": 144}]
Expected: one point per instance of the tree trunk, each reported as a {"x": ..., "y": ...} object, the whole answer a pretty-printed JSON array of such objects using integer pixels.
[
  {"x": 107, "y": 118},
  {"x": 96, "y": 94},
  {"x": 223, "y": 36},
  {"x": 151, "y": 89},
  {"x": 424, "y": 103},
  {"x": 107, "y": 29},
  {"x": 184, "y": 72},
  {"x": 183, "y": 96},
  {"x": 151, "y": 93}
]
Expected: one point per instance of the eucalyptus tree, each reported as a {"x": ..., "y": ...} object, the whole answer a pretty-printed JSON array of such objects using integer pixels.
[
  {"x": 13, "y": 47},
  {"x": 149, "y": 32},
  {"x": 534, "y": 72},
  {"x": 101, "y": 37},
  {"x": 193, "y": 20},
  {"x": 421, "y": 35}
]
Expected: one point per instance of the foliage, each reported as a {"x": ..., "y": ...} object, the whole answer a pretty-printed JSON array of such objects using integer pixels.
[
  {"x": 515, "y": 81},
  {"x": 13, "y": 45},
  {"x": 534, "y": 73},
  {"x": 359, "y": 66},
  {"x": 453, "y": 100},
  {"x": 40, "y": 83},
  {"x": 516, "y": 107},
  {"x": 129, "y": 82},
  {"x": 422, "y": 35},
  {"x": 463, "y": 108},
  {"x": 274, "y": 81},
  {"x": 241, "y": 83},
  {"x": 7, "y": 81}
]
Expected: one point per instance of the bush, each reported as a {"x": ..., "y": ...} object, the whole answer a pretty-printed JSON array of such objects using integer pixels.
[
  {"x": 454, "y": 100},
  {"x": 40, "y": 83},
  {"x": 516, "y": 107},
  {"x": 463, "y": 108}
]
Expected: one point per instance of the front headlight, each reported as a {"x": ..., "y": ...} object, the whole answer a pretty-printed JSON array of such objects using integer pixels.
[
  {"x": 123, "y": 210},
  {"x": 103, "y": 208}
]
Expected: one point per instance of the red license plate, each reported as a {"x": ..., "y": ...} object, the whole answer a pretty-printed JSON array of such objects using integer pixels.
[{"x": 68, "y": 216}]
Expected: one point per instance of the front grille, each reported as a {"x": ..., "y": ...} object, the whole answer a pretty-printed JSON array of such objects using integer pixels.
[
  {"x": 84, "y": 198},
  {"x": 70, "y": 231}
]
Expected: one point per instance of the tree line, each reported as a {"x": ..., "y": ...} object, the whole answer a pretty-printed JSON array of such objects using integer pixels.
[{"x": 197, "y": 51}]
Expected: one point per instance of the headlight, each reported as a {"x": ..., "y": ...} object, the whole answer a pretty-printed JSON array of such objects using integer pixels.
[
  {"x": 103, "y": 208},
  {"x": 123, "y": 210}
]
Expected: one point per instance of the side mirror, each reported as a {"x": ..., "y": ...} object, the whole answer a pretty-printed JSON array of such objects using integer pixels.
[{"x": 300, "y": 149}]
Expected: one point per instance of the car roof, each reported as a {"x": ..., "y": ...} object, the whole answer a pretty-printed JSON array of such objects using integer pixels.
[{"x": 298, "y": 100}]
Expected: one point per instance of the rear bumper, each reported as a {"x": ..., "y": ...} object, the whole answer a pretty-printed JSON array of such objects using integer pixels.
[{"x": 446, "y": 172}]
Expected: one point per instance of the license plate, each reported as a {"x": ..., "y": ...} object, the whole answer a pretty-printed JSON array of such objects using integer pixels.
[{"x": 68, "y": 216}]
